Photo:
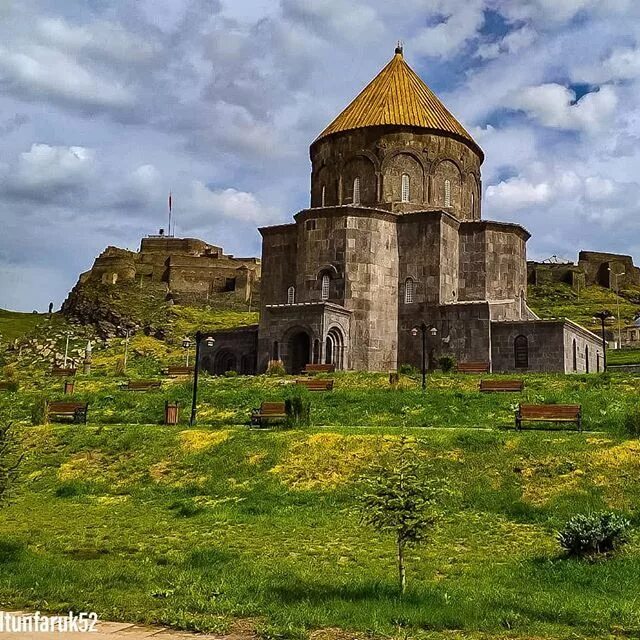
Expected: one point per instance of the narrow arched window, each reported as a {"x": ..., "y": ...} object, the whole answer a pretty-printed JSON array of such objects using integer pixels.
[
  {"x": 323, "y": 195},
  {"x": 406, "y": 191},
  {"x": 447, "y": 193},
  {"x": 276, "y": 351},
  {"x": 291, "y": 295},
  {"x": 586, "y": 358},
  {"x": 326, "y": 281},
  {"x": 575, "y": 355},
  {"x": 473, "y": 205},
  {"x": 521, "y": 352},
  {"x": 356, "y": 191},
  {"x": 408, "y": 291}
]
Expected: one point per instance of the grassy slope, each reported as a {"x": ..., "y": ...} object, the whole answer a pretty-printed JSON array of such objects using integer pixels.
[
  {"x": 559, "y": 300},
  {"x": 196, "y": 527},
  {"x": 14, "y": 324},
  {"x": 358, "y": 399}
]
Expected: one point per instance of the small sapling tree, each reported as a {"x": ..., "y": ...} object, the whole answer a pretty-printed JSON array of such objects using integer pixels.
[{"x": 399, "y": 497}]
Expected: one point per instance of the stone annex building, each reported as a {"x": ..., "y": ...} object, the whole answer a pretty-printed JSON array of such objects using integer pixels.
[{"x": 395, "y": 237}]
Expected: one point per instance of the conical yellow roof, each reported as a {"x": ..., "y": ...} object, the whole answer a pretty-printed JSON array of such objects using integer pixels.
[{"x": 397, "y": 96}]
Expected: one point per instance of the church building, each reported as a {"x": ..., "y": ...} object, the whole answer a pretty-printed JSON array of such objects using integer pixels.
[{"x": 394, "y": 238}]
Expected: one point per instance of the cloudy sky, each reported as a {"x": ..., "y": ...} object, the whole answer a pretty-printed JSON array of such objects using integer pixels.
[{"x": 106, "y": 105}]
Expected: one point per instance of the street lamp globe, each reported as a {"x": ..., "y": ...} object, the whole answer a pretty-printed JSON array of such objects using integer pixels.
[
  {"x": 209, "y": 341},
  {"x": 414, "y": 331},
  {"x": 186, "y": 343},
  {"x": 433, "y": 332}
]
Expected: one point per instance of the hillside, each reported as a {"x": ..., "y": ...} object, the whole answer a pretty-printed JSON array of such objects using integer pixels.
[{"x": 232, "y": 530}]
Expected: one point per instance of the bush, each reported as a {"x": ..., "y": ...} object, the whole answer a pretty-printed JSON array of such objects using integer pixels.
[
  {"x": 230, "y": 374},
  {"x": 9, "y": 372},
  {"x": 631, "y": 423},
  {"x": 447, "y": 363},
  {"x": 298, "y": 407},
  {"x": 39, "y": 412},
  {"x": 275, "y": 368},
  {"x": 408, "y": 370},
  {"x": 592, "y": 534}
]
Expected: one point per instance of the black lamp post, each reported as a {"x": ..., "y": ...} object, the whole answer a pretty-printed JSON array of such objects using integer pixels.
[
  {"x": 423, "y": 328},
  {"x": 603, "y": 316},
  {"x": 209, "y": 341}
]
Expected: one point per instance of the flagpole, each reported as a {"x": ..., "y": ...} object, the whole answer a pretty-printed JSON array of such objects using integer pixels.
[{"x": 169, "y": 214}]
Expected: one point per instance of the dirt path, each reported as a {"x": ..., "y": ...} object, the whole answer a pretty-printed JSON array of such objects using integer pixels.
[{"x": 103, "y": 631}]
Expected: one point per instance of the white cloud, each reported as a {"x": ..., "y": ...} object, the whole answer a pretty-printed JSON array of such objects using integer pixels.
[
  {"x": 229, "y": 203},
  {"x": 38, "y": 71},
  {"x": 554, "y": 105},
  {"x": 45, "y": 169},
  {"x": 461, "y": 22},
  {"x": 514, "y": 42},
  {"x": 101, "y": 37},
  {"x": 620, "y": 64}
]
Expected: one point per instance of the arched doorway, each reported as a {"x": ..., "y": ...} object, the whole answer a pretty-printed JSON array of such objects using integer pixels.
[
  {"x": 334, "y": 348},
  {"x": 299, "y": 351},
  {"x": 224, "y": 361}
]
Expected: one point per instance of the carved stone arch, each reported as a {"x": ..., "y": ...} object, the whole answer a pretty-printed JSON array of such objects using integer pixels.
[
  {"x": 389, "y": 155},
  {"x": 363, "y": 167},
  {"x": 323, "y": 176},
  {"x": 331, "y": 269},
  {"x": 471, "y": 197},
  {"x": 446, "y": 178},
  {"x": 404, "y": 161}
]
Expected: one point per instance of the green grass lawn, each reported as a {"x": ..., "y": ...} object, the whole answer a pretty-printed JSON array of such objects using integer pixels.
[
  {"x": 221, "y": 527},
  {"x": 202, "y": 528},
  {"x": 14, "y": 324}
]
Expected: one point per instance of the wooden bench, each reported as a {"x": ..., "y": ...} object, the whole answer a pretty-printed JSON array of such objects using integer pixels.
[
  {"x": 77, "y": 411},
  {"x": 472, "y": 367},
  {"x": 268, "y": 411},
  {"x": 140, "y": 385},
  {"x": 319, "y": 368},
  {"x": 175, "y": 371},
  {"x": 63, "y": 372},
  {"x": 316, "y": 384},
  {"x": 501, "y": 386},
  {"x": 549, "y": 413}
]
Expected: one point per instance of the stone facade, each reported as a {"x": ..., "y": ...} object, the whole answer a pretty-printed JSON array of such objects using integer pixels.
[
  {"x": 592, "y": 268},
  {"x": 191, "y": 269},
  {"x": 394, "y": 238}
]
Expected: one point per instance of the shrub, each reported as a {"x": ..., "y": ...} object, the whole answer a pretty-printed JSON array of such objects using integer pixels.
[
  {"x": 39, "y": 412},
  {"x": 11, "y": 385},
  {"x": 591, "y": 534},
  {"x": 447, "y": 363},
  {"x": 408, "y": 370},
  {"x": 298, "y": 407},
  {"x": 230, "y": 374},
  {"x": 9, "y": 372},
  {"x": 275, "y": 368},
  {"x": 631, "y": 423}
]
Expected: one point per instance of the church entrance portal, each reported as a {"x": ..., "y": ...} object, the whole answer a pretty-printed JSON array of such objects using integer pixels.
[{"x": 299, "y": 349}]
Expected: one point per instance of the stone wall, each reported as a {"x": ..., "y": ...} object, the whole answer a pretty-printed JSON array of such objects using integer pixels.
[
  {"x": 549, "y": 345},
  {"x": 233, "y": 350},
  {"x": 379, "y": 156}
]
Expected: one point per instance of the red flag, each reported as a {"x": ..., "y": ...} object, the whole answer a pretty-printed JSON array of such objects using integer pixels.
[{"x": 169, "y": 201}]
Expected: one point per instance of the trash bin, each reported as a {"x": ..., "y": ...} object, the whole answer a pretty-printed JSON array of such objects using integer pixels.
[
  {"x": 68, "y": 387},
  {"x": 171, "y": 412}
]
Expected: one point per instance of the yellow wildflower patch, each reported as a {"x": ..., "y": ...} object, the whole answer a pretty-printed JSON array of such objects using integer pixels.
[
  {"x": 197, "y": 440},
  {"x": 622, "y": 456},
  {"x": 87, "y": 465},
  {"x": 327, "y": 460}
]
